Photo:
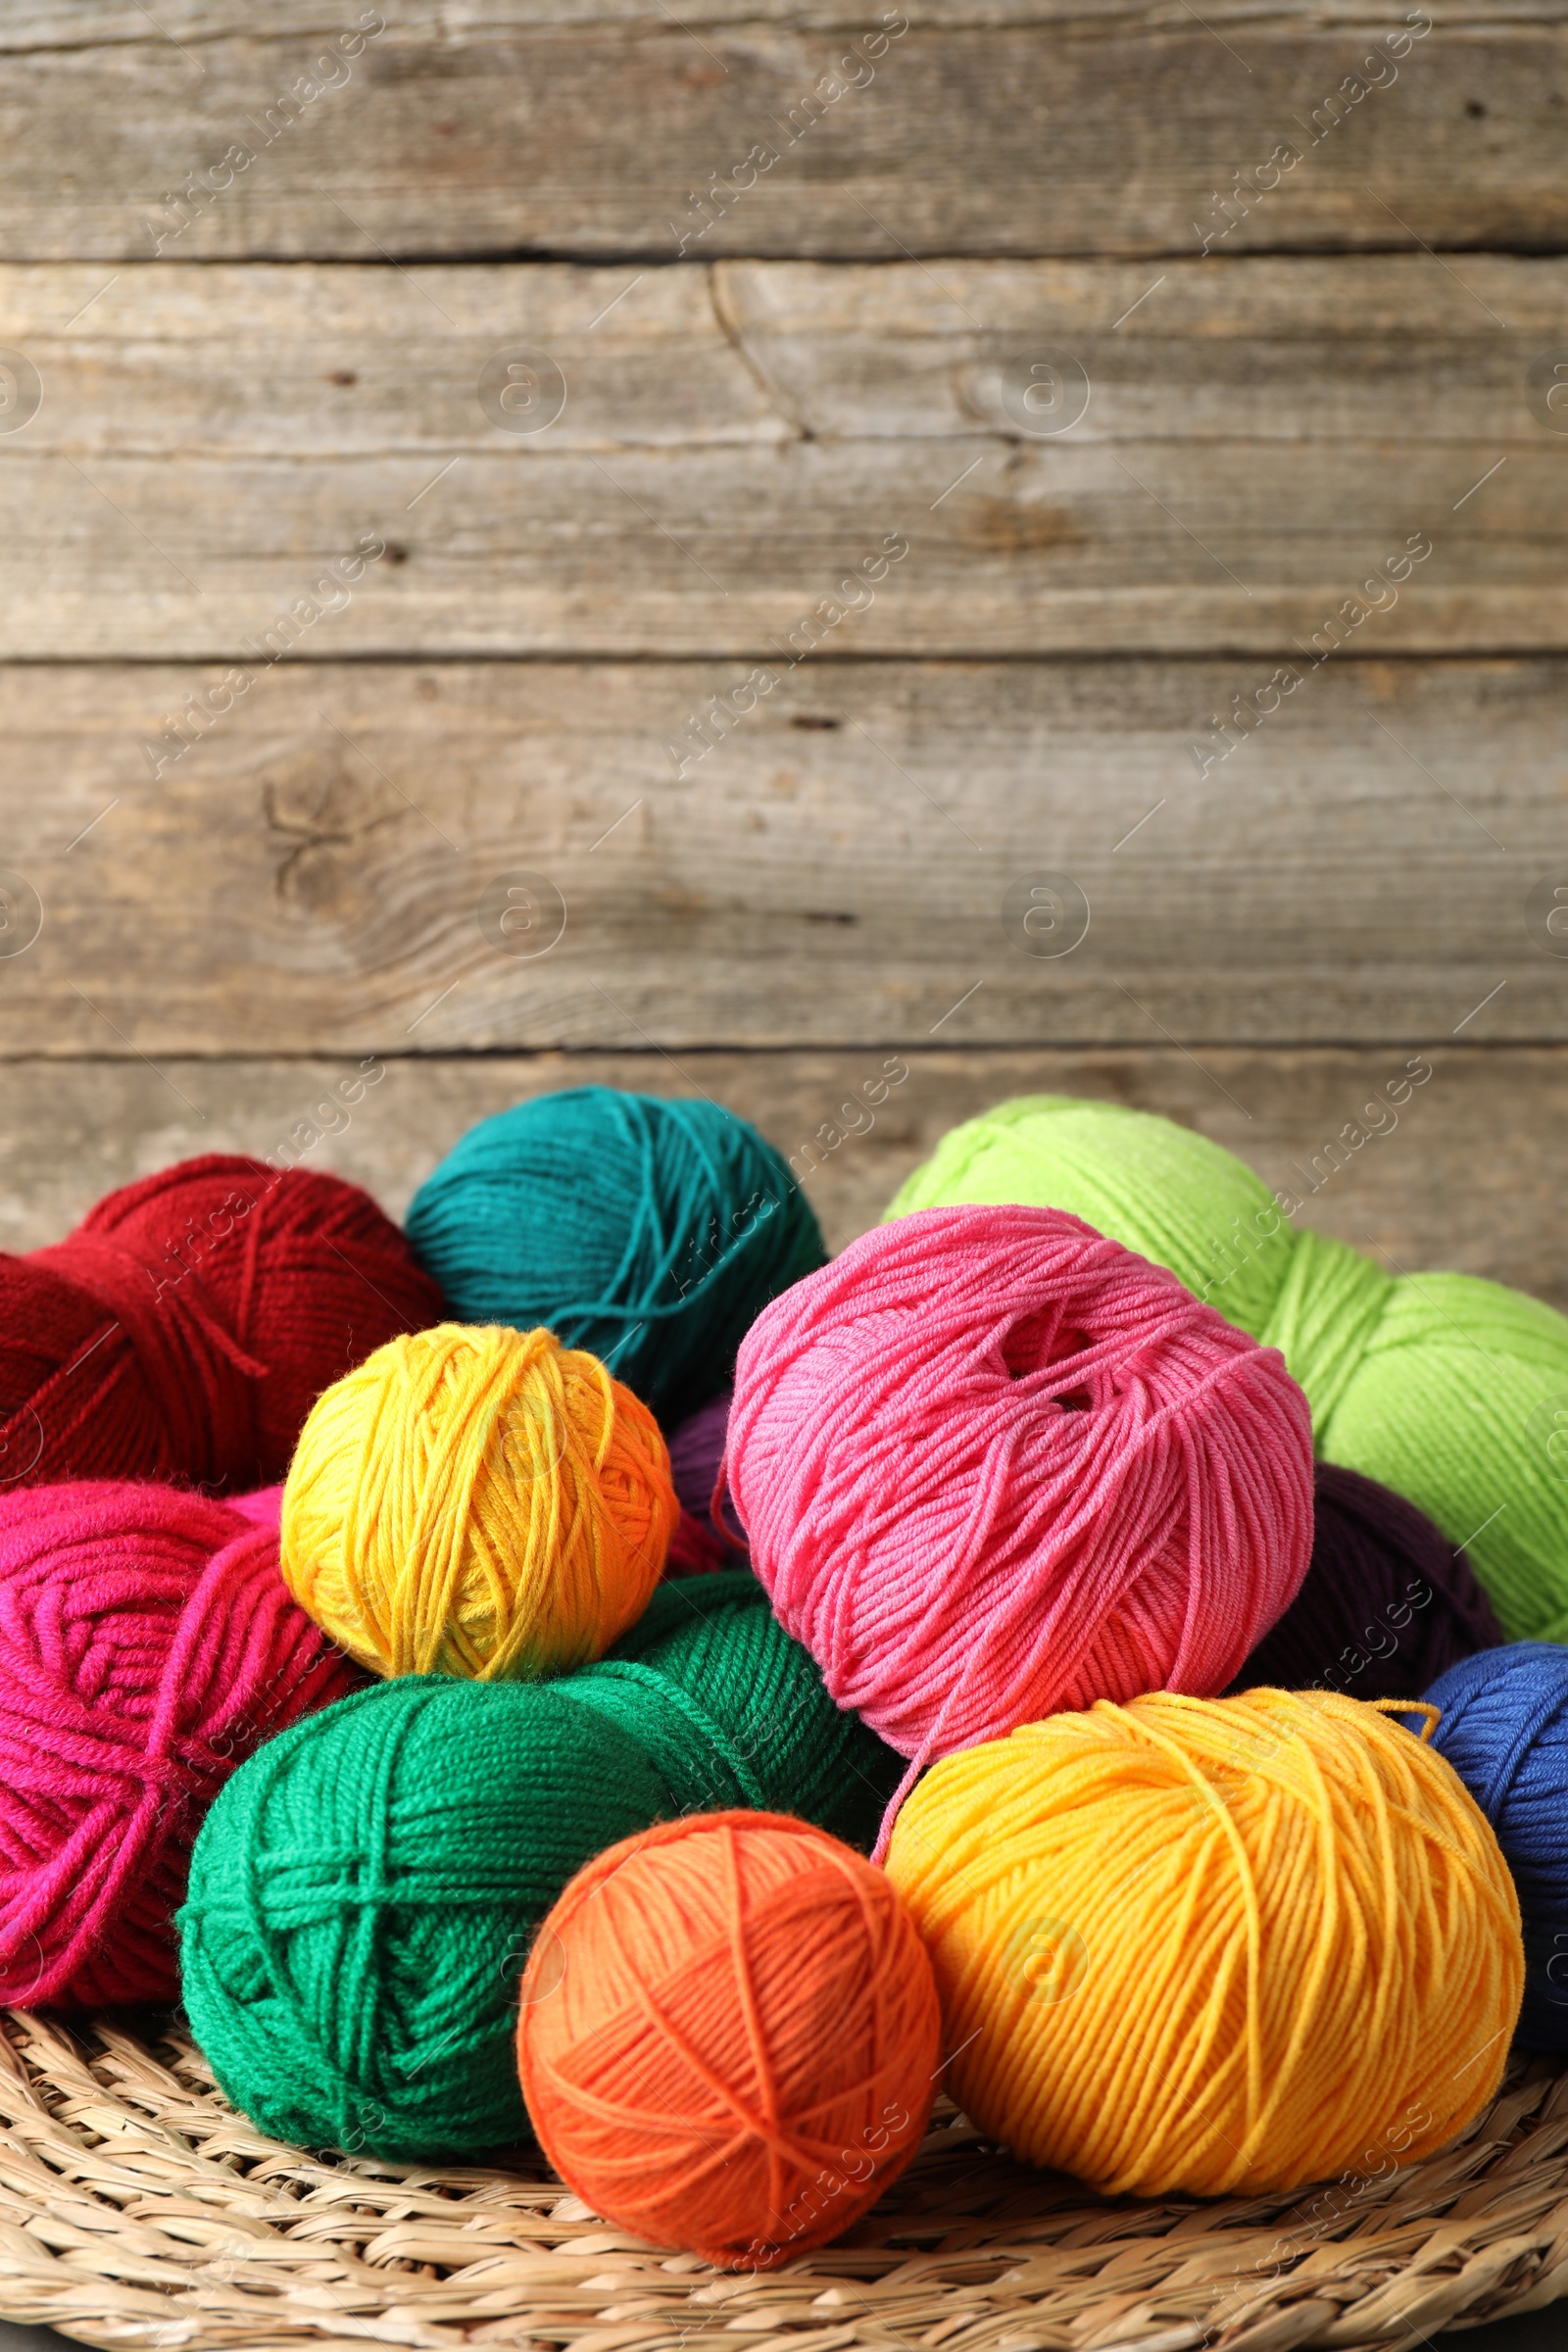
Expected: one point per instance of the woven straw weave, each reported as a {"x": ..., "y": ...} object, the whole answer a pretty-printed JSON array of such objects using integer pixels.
[{"x": 137, "y": 2208}]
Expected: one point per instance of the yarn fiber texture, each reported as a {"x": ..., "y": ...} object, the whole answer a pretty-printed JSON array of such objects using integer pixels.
[
  {"x": 147, "y": 1646},
  {"x": 648, "y": 1231},
  {"x": 1449, "y": 1389},
  {"x": 477, "y": 1501},
  {"x": 696, "y": 1459},
  {"x": 1387, "y": 1602},
  {"x": 993, "y": 1465},
  {"x": 728, "y": 2036},
  {"x": 364, "y": 1893},
  {"x": 695, "y": 1549},
  {"x": 1213, "y": 1945},
  {"x": 1504, "y": 1727},
  {"x": 183, "y": 1331}
]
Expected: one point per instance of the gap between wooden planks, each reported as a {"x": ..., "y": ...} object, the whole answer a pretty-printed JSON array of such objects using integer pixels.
[{"x": 974, "y": 129}]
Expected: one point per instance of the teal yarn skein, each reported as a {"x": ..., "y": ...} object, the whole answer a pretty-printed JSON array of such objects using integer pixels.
[
  {"x": 361, "y": 1901},
  {"x": 649, "y": 1230}
]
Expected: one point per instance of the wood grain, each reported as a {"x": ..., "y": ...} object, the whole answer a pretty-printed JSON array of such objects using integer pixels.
[
  {"x": 1467, "y": 1179},
  {"x": 1257, "y": 436},
  {"x": 239, "y": 387},
  {"x": 505, "y": 131},
  {"x": 66, "y": 25},
  {"x": 276, "y": 362},
  {"x": 307, "y": 872},
  {"x": 1018, "y": 550},
  {"x": 281, "y": 363}
]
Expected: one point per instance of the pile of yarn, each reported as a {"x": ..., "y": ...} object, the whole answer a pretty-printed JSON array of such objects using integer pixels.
[{"x": 1085, "y": 1539}]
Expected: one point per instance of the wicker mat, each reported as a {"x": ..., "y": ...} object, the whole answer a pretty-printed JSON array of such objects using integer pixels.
[{"x": 137, "y": 2208}]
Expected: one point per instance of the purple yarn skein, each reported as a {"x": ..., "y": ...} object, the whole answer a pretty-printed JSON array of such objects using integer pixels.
[
  {"x": 695, "y": 1450},
  {"x": 1387, "y": 1603}
]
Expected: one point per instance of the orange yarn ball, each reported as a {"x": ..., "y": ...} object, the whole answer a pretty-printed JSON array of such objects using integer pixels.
[{"x": 727, "y": 2037}]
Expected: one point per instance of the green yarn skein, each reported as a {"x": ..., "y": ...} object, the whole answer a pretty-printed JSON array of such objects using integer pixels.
[
  {"x": 1444, "y": 1386},
  {"x": 649, "y": 1229},
  {"x": 362, "y": 1896}
]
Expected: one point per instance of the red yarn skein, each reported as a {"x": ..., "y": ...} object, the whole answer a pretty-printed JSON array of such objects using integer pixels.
[
  {"x": 148, "y": 1643},
  {"x": 993, "y": 1465},
  {"x": 187, "y": 1326}
]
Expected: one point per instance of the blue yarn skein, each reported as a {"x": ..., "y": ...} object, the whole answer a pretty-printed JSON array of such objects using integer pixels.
[
  {"x": 649, "y": 1230},
  {"x": 1504, "y": 1730}
]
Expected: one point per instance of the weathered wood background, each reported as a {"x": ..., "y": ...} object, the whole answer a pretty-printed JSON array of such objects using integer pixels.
[{"x": 1132, "y": 446}]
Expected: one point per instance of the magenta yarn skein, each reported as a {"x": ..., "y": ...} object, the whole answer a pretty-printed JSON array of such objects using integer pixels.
[
  {"x": 263, "y": 1508},
  {"x": 993, "y": 1465},
  {"x": 148, "y": 1643}
]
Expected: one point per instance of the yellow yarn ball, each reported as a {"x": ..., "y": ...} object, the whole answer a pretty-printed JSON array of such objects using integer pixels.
[
  {"x": 477, "y": 1501},
  {"x": 1214, "y": 1944}
]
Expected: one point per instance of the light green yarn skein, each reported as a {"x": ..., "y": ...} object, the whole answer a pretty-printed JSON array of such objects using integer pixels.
[{"x": 1444, "y": 1386}]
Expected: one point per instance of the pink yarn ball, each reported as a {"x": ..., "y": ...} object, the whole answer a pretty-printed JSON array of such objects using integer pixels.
[
  {"x": 994, "y": 1465},
  {"x": 148, "y": 1643}
]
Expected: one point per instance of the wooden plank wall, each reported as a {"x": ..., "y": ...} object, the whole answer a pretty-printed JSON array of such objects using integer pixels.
[{"x": 769, "y": 489}]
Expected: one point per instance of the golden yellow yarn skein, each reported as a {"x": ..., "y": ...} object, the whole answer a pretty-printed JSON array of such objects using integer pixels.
[
  {"x": 477, "y": 1501},
  {"x": 1214, "y": 1944}
]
